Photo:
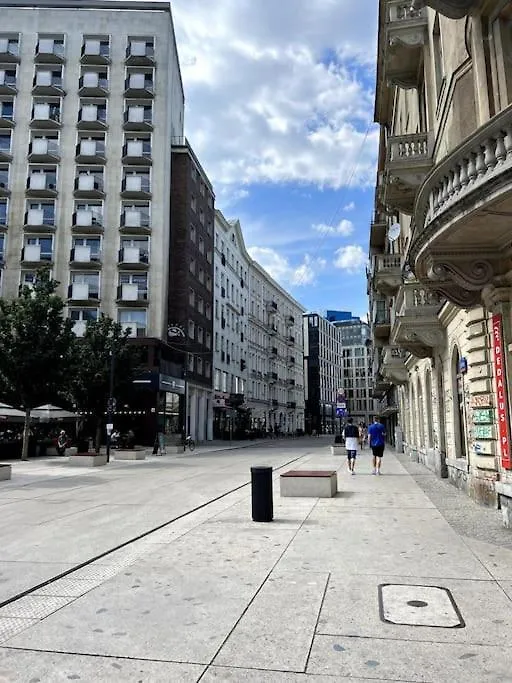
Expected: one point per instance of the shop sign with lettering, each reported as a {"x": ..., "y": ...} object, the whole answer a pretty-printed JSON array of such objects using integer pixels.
[
  {"x": 483, "y": 432},
  {"x": 501, "y": 391},
  {"x": 483, "y": 416}
]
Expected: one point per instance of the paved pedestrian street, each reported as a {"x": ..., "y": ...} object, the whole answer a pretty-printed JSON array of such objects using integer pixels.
[{"x": 398, "y": 578}]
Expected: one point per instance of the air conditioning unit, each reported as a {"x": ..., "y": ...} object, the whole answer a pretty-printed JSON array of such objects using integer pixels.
[
  {"x": 133, "y": 183},
  {"x": 137, "y": 48},
  {"x": 90, "y": 79},
  {"x": 42, "y": 111},
  {"x": 44, "y": 78},
  {"x": 86, "y": 182},
  {"x": 89, "y": 112}
]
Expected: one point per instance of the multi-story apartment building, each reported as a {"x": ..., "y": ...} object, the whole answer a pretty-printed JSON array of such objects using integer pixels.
[
  {"x": 190, "y": 302},
  {"x": 231, "y": 302},
  {"x": 325, "y": 386},
  {"x": 358, "y": 371},
  {"x": 275, "y": 387},
  {"x": 90, "y": 98},
  {"x": 440, "y": 244}
]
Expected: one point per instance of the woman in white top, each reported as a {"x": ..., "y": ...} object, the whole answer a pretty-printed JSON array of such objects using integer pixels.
[{"x": 351, "y": 435}]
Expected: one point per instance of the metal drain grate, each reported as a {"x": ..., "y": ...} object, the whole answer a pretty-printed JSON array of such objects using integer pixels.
[{"x": 419, "y": 606}]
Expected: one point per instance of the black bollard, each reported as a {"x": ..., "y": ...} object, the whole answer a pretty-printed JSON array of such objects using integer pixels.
[{"x": 262, "y": 500}]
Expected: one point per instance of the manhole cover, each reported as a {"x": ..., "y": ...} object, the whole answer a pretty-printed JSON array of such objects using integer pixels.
[{"x": 419, "y": 606}]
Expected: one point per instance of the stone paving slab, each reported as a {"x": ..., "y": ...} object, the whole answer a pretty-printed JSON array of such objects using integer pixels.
[
  {"x": 368, "y": 542},
  {"x": 351, "y": 608},
  {"x": 18, "y": 666},
  {"x": 497, "y": 561},
  {"x": 10, "y": 626},
  {"x": 235, "y": 675},
  {"x": 277, "y": 629},
  {"x": 177, "y": 615},
  {"x": 403, "y": 660}
]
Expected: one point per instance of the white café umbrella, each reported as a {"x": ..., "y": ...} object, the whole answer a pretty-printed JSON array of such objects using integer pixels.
[
  {"x": 10, "y": 413},
  {"x": 50, "y": 412}
]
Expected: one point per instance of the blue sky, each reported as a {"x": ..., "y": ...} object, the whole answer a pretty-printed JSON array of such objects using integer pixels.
[{"x": 279, "y": 104}]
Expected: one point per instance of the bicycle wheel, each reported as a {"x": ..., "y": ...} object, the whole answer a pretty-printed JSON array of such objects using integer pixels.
[{"x": 191, "y": 444}]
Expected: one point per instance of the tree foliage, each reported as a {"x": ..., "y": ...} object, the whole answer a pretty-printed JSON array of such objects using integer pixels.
[
  {"x": 36, "y": 347},
  {"x": 90, "y": 387}
]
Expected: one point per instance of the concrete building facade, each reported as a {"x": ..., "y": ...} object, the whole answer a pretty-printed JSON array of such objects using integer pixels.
[
  {"x": 90, "y": 98},
  {"x": 275, "y": 391},
  {"x": 440, "y": 282},
  {"x": 325, "y": 384},
  {"x": 231, "y": 304},
  {"x": 190, "y": 292}
]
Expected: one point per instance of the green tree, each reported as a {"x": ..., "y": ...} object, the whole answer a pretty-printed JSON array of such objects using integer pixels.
[
  {"x": 36, "y": 348},
  {"x": 104, "y": 347}
]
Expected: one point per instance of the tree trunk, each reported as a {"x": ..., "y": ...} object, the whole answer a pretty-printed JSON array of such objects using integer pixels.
[
  {"x": 97, "y": 442},
  {"x": 26, "y": 434}
]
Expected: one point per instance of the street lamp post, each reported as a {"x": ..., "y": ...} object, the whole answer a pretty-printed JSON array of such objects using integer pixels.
[{"x": 111, "y": 401}]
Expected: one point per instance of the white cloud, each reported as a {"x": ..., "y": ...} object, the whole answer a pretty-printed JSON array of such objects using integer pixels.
[
  {"x": 344, "y": 228},
  {"x": 349, "y": 207},
  {"x": 280, "y": 268},
  {"x": 274, "y": 91},
  {"x": 351, "y": 258}
]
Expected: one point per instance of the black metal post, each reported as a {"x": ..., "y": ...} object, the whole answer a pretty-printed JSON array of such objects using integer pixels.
[
  {"x": 262, "y": 498},
  {"x": 110, "y": 407}
]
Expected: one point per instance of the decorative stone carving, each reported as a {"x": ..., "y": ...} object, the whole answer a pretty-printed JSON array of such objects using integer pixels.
[
  {"x": 453, "y": 9},
  {"x": 471, "y": 275}
]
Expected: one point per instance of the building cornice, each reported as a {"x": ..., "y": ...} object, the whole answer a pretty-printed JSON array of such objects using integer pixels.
[{"x": 115, "y": 5}]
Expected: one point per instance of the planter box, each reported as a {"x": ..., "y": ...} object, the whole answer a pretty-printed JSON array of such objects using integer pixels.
[
  {"x": 5, "y": 472},
  {"x": 338, "y": 449},
  {"x": 174, "y": 449},
  {"x": 129, "y": 454},
  {"x": 88, "y": 460}
]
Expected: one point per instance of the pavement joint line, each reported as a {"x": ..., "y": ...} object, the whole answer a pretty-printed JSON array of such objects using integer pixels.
[
  {"x": 317, "y": 622},
  {"x": 100, "y": 656},
  {"x": 139, "y": 537},
  {"x": 461, "y": 643},
  {"x": 260, "y": 588},
  {"x": 336, "y": 677}
]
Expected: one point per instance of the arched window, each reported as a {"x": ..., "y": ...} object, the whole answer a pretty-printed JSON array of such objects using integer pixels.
[
  {"x": 428, "y": 405},
  {"x": 420, "y": 413},
  {"x": 459, "y": 414}
]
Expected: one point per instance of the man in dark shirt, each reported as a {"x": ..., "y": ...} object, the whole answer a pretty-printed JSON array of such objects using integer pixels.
[{"x": 377, "y": 438}]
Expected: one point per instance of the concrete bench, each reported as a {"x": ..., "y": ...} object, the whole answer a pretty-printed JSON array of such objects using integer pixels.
[
  {"x": 309, "y": 484},
  {"x": 133, "y": 454},
  {"x": 88, "y": 460},
  {"x": 5, "y": 472}
]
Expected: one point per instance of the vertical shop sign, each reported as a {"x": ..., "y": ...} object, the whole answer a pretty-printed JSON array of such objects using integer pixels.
[{"x": 501, "y": 391}]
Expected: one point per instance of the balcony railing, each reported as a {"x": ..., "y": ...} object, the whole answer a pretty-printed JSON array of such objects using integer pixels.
[{"x": 406, "y": 32}]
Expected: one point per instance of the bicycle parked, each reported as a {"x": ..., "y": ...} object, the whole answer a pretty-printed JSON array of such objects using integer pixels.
[{"x": 188, "y": 442}]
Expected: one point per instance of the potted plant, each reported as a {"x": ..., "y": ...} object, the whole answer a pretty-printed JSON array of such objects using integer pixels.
[{"x": 338, "y": 448}]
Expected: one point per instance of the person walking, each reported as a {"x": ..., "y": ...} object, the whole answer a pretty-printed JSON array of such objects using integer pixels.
[
  {"x": 377, "y": 438},
  {"x": 351, "y": 436}
]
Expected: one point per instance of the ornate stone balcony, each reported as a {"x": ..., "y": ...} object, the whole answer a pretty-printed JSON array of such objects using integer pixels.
[
  {"x": 387, "y": 273},
  {"x": 461, "y": 229},
  {"x": 381, "y": 321},
  {"x": 405, "y": 36},
  {"x": 409, "y": 160},
  {"x": 415, "y": 326},
  {"x": 393, "y": 365},
  {"x": 454, "y": 9}
]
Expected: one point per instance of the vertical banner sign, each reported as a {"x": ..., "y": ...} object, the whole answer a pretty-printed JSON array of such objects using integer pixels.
[{"x": 501, "y": 391}]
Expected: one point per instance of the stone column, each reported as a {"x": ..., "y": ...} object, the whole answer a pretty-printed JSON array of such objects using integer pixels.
[
  {"x": 201, "y": 420},
  {"x": 209, "y": 419},
  {"x": 193, "y": 412}
]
